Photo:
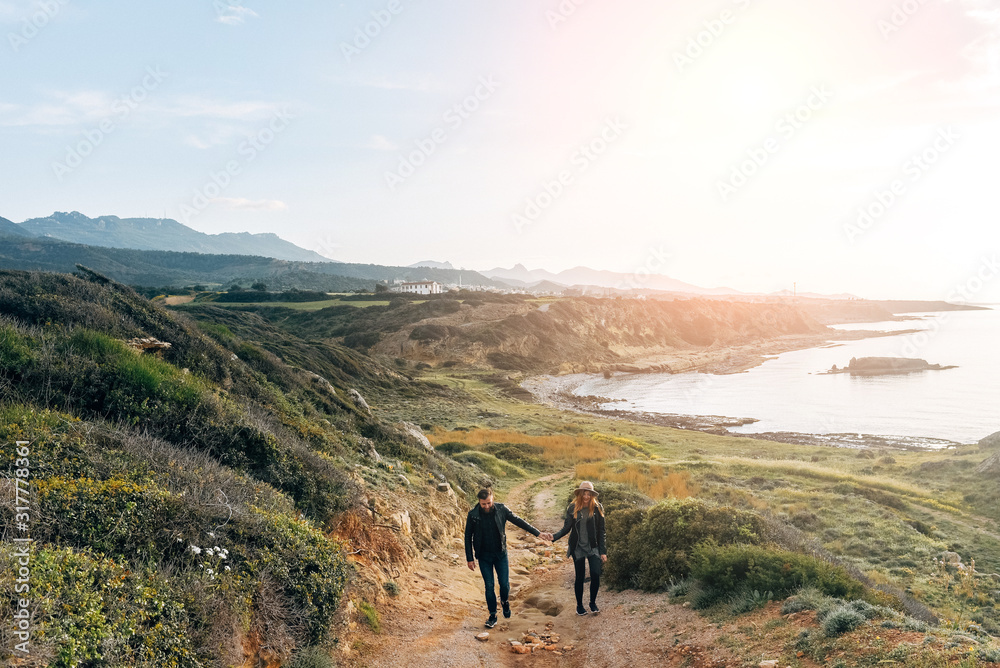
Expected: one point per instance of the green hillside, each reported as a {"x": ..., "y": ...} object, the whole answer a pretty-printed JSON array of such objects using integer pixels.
[{"x": 188, "y": 496}]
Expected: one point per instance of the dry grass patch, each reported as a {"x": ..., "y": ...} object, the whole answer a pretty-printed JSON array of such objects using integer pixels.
[
  {"x": 557, "y": 449},
  {"x": 656, "y": 482}
]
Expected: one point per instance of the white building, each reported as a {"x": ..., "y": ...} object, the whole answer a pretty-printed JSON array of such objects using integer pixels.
[{"x": 421, "y": 288}]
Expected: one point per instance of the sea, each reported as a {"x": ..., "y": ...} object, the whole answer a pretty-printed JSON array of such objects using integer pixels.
[{"x": 791, "y": 393}]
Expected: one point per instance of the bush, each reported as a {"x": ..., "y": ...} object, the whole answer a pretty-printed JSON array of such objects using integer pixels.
[
  {"x": 490, "y": 464},
  {"x": 734, "y": 567},
  {"x": 521, "y": 454},
  {"x": 313, "y": 657},
  {"x": 748, "y": 600},
  {"x": 668, "y": 533},
  {"x": 618, "y": 496},
  {"x": 95, "y": 612},
  {"x": 841, "y": 621},
  {"x": 452, "y": 448},
  {"x": 370, "y": 614}
]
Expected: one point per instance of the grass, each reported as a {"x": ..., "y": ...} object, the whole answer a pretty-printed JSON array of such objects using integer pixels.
[
  {"x": 886, "y": 514},
  {"x": 556, "y": 449},
  {"x": 655, "y": 481},
  {"x": 306, "y": 306}
]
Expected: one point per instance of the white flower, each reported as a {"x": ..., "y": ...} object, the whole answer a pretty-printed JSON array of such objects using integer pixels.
[
  {"x": 209, "y": 571},
  {"x": 211, "y": 535},
  {"x": 195, "y": 549},
  {"x": 227, "y": 569},
  {"x": 210, "y": 552},
  {"x": 180, "y": 540}
]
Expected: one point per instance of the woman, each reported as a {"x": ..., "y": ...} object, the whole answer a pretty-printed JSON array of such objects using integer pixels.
[{"x": 585, "y": 526}]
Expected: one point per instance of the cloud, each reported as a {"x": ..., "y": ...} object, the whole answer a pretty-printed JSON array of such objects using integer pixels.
[
  {"x": 242, "y": 204},
  {"x": 380, "y": 143},
  {"x": 62, "y": 109},
  {"x": 232, "y": 13}
]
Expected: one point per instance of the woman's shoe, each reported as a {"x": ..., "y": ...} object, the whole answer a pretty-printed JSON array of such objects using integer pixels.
[
  {"x": 580, "y": 610},
  {"x": 594, "y": 609}
]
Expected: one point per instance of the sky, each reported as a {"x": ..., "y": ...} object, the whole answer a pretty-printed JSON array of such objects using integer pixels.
[{"x": 843, "y": 146}]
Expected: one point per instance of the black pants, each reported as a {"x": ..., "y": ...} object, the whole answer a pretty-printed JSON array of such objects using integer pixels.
[{"x": 595, "y": 577}]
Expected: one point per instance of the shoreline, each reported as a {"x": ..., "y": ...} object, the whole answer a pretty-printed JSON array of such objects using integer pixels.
[{"x": 557, "y": 391}]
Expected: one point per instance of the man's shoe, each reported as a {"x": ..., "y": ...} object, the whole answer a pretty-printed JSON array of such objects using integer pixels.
[
  {"x": 506, "y": 609},
  {"x": 594, "y": 609},
  {"x": 492, "y": 621},
  {"x": 580, "y": 610}
]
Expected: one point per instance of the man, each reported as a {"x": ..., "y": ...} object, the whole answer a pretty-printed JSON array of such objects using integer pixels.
[{"x": 486, "y": 533}]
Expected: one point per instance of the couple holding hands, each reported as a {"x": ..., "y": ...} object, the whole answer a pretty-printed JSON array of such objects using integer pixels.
[{"x": 486, "y": 539}]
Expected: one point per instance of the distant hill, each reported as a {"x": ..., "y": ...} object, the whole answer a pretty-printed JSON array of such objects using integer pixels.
[
  {"x": 521, "y": 277},
  {"x": 161, "y": 268},
  {"x": 431, "y": 264},
  {"x": 162, "y": 234},
  {"x": 11, "y": 229}
]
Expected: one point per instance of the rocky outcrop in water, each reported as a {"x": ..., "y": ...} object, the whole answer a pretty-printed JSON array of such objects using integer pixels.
[{"x": 885, "y": 366}]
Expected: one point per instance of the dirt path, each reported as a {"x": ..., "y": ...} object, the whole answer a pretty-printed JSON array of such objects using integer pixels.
[{"x": 434, "y": 622}]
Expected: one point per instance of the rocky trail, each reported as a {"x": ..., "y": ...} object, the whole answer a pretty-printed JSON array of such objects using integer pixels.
[{"x": 434, "y": 622}]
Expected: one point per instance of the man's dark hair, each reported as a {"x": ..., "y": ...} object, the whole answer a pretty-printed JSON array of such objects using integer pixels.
[{"x": 484, "y": 493}]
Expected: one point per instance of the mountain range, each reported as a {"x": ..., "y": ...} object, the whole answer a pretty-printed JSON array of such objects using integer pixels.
[
  {"x": 157, "y": 234},
  {"x": 155, "y": 251},
  {"x": 520, "y": 276}
]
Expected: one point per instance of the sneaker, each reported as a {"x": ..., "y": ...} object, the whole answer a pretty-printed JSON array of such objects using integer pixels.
[
  {"x": 492, "y": 621},
  {"x": 593, "y": 608},
  {"x": 580, "y": 610},
  {"x": 506, "y": 609}
]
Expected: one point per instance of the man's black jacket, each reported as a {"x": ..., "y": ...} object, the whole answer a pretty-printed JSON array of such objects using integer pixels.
[{"x": 475, "y": 523}]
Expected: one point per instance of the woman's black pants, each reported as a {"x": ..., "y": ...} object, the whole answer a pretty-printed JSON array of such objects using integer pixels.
[{"x": 595, "y": 577}]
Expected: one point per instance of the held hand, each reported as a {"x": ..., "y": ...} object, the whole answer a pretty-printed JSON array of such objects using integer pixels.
[
  {"x": 472, "y": 565},
  {"x": 545, "y": 536},
  {"x": 604, "y": 558}
]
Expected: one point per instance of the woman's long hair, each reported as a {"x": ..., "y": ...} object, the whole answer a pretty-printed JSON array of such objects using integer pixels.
[{"x": 578, "y": 505}]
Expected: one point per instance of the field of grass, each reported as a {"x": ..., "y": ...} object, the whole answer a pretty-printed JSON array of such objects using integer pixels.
[
  {"x": 886, "y": 514},
  {"x": 306, "y": 306}
]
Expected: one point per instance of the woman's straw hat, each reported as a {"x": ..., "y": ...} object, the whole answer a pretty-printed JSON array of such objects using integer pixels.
[{"x": 585, "y": 486}]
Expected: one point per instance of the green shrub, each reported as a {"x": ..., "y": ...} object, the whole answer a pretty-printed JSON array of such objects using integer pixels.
[
  {"x": 452, "y": 448},
  {"x": 680, "y": 588},
  {"x": 370, "y": 614},
  {"x": 108, "y": 516},
  {"x": 312, "y": 657},
  {"x": 490, "y": 464},
  {"x": 617, "y": 496},
  {"x": 391, "y": 587},
  {"x": 842, "y": 620},
  {"x": 668, "y": 533},
  {"x": 731, "y": 567},
  {"x": 90, "y": 601},
  {"x": 291, "y": 551},
  {"x": 748, "y": 600},
  {"x": 520, "y": 454},
  {"x": 15, "y": 351}
]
